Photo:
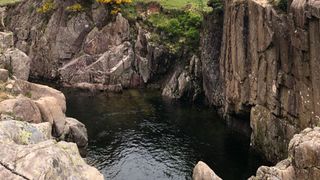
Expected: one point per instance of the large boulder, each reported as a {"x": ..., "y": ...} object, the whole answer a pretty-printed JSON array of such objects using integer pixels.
[
  {"x": 24, "y": 133},
  {"x": 52, "y": 112},
  {"x": 21, "y": 108},
  {"x": 76, "y": 132},
  {"x": 303, "y": 161},
  {"x": 37, "y": 91},
  {"x": 18, "y": 63},
  {"x": 46, "y": 160},
  {"x": 27, "y": 152},
  {"x": 203, "y": 172}
]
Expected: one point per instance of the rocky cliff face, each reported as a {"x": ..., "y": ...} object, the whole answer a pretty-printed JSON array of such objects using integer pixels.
[
  {"x": 268, "y": 67},
  {"x": 87, "y": 49},
  {"x": 92, "y": 49}
]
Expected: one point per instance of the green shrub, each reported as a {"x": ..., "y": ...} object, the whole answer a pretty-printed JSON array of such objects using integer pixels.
[
  {"x": 177, "y": 31},
  {"x": 217, "y": 5}
]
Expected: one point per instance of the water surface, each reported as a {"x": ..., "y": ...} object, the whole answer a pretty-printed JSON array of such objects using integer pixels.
[{"x": 137, "y": 135}]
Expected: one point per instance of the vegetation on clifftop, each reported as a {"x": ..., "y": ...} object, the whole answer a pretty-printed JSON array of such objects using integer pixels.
[
  {"x": 175, "y": 24},
  {"x": 7, "y": 2},
  {"x": 179, "y": 4},
  {"x": 178, "y": 30}
]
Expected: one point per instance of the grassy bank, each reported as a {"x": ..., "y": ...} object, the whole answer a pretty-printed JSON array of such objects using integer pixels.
[
  {"x": 177, "y": 26},
  {"x": 7, "y": 2},
  {"x": 178, "y": 4}
]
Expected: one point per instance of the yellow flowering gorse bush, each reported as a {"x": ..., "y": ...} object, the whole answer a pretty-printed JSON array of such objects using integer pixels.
[
  {"x": 75, "y": 7},
  {"x": 115, "y": 4},
  {"x": 46, "y": 7}
]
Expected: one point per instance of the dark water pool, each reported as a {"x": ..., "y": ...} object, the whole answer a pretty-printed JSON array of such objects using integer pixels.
[{"x": 137, "y": 135}]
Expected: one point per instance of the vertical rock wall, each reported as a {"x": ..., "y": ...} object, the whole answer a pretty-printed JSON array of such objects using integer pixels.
[
  {"x": 269, "y": 66},
  {"x": 210, "y": 54}
]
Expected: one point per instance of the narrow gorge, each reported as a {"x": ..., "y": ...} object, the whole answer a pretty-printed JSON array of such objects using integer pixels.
[{"x": 165, "y": 89}]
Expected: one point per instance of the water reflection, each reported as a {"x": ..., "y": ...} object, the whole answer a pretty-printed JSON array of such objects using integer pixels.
[{"x": 137, "y": 135}]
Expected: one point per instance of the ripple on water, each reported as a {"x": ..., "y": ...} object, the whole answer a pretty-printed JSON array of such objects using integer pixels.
[{"x": 138, "y": 136}]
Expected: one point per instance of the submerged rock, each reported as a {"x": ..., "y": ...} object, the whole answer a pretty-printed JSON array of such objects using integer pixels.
[{"x": 203, "y": 172}]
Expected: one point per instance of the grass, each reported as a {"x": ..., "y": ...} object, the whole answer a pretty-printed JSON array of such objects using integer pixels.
[
  {"x": 7, "y": 2},
  {"x": 179, "y": 4},
  {"x": 169, "y": 4},
  {"x": 177, "y": 27}
]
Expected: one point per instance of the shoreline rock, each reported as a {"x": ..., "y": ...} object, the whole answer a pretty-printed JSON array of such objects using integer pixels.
[
  {"x": 32, "y": 119},
  {"x": 203, "y": 172},
  {"x": 42, "y": 158},
  {"x": 303, "y": 161}
]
